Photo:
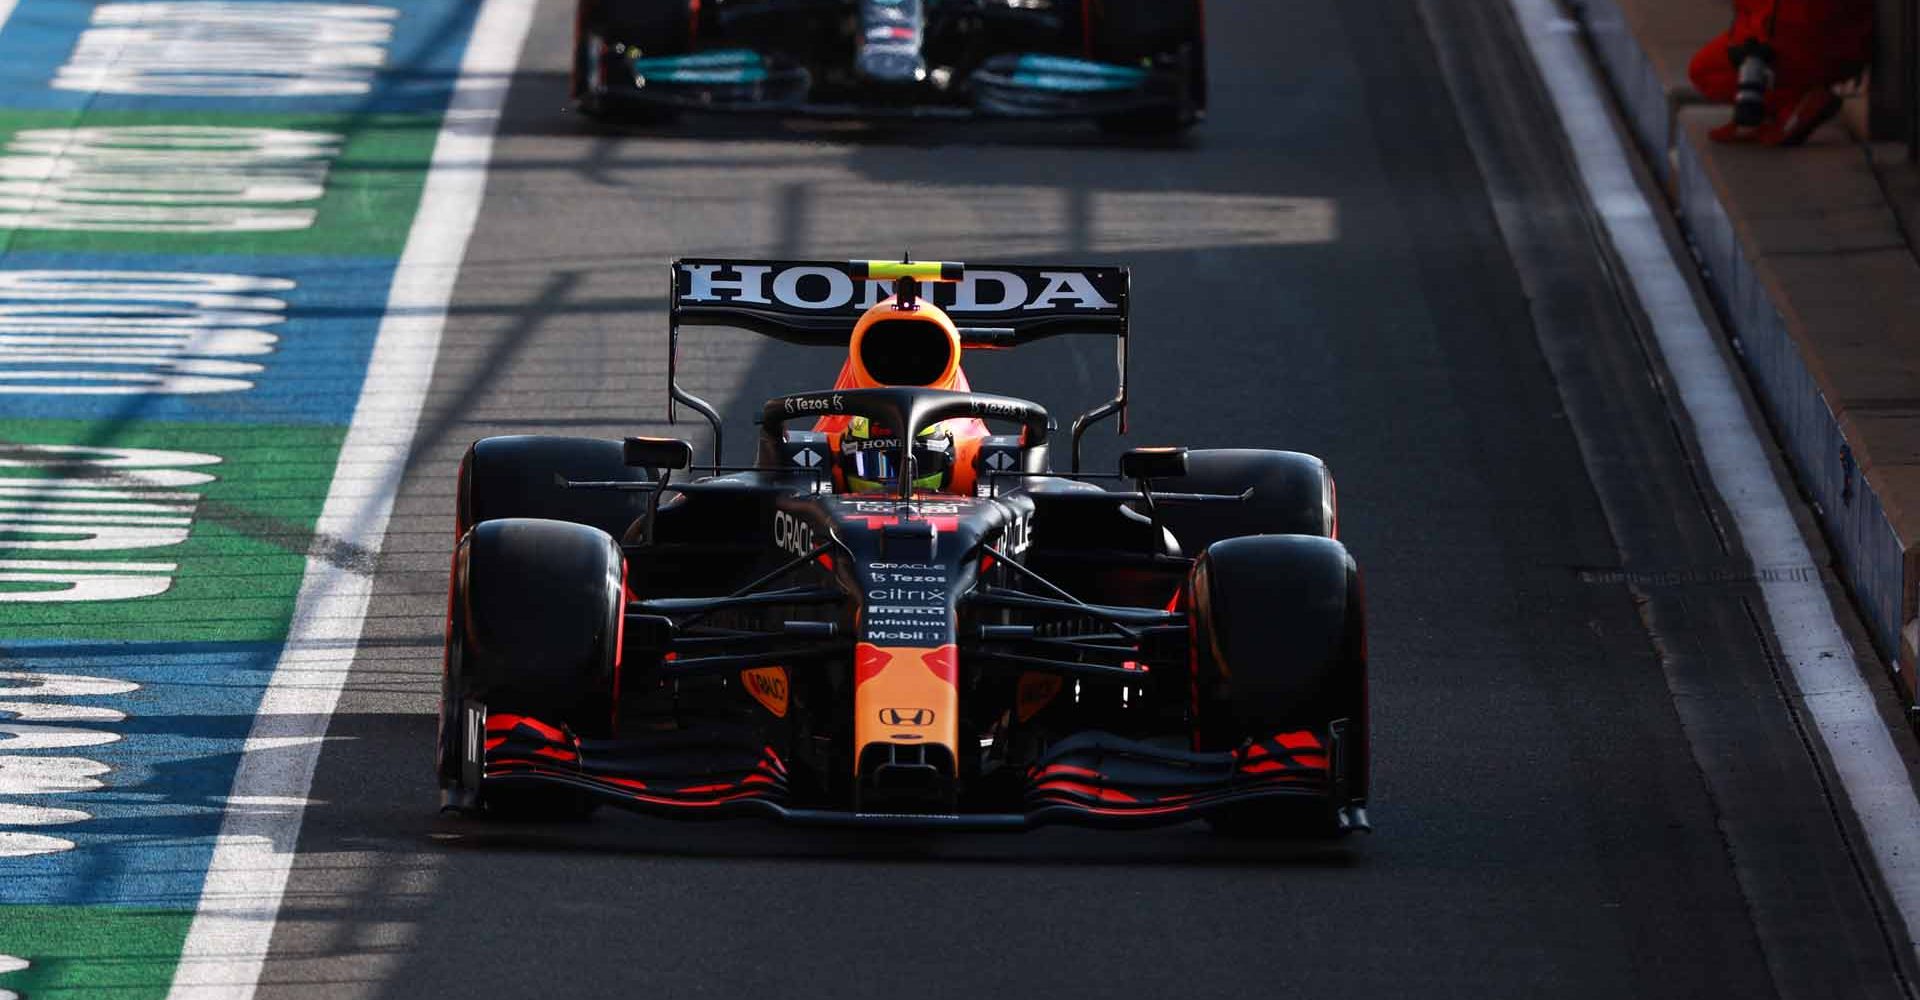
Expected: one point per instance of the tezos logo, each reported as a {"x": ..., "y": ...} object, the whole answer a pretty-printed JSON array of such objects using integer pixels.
[
  {"x": 815, "y": 404},
  {"x": 790, "y": 534}
]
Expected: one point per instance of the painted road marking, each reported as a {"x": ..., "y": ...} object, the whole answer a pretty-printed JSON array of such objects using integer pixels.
[
  {"x": 165, "y": 178},
  {"x": 46, "y": 776},
  {"x": 1831, "y": 684},
  {"x": 79, "y": 499},
  {"x": 399, "y": 56},
  {"x": 129, "y": 332},
  {"x": 165, "y": 783},
  {"x": 227, "y": 942},
  {"x": 121, "y": 333},
  {"x": 196, "y": 263},
  {"x": 9, "y": 963},
  {"x": 222, "y": 49}
]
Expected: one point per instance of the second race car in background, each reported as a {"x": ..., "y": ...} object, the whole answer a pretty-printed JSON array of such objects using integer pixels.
[{"x": 1131, "y": 65}]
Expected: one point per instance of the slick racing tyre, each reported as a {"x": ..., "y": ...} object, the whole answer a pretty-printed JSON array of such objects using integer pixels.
[
  {"x": 534, "y": 627},
  {"x": 516, "y": 477},
  {"x": 1166, "y": 32},
  {"x": 1292, "y": 495},
  {"x": 1279, "y": 634},
  {"x": 654, "y": 27},
  {"x": 1127, "y": 31}
]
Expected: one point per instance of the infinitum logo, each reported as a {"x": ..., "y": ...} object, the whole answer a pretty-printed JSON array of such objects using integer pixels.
[{"x": 70, "y": 514}]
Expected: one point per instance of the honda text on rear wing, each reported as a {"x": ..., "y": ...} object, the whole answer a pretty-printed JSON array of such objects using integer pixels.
[{"x": 816, "y": 303}]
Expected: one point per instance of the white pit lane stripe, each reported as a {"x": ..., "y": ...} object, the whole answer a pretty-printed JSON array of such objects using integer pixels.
[
  {"x": 226, "y": 944},
  {"x": 1831, "y": 684}
]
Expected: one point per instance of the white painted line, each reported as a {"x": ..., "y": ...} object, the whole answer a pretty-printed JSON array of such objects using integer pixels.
[
  {"x": 227, "y": 943},
  {"x": 1838, "y": 700}
]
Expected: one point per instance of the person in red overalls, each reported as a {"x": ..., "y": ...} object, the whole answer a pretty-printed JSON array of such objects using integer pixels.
[{"x": 1791, "y": 54}]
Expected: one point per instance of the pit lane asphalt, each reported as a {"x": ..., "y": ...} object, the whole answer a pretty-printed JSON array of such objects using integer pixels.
[{"x": 1320, "y": 269}]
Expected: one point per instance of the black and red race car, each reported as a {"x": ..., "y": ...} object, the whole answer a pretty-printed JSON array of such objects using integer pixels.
[
  {"x": 1132, "y": 65},
  {"x": 899, "y": 615}
]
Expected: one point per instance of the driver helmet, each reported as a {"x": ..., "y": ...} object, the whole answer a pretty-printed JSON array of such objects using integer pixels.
[{"x": 869, "y": 454}]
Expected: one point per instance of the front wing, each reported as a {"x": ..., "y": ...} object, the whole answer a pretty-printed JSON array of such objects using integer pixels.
[
  {"x": 1011, "y": 86},
  {"x": 1092, "y": 779}
]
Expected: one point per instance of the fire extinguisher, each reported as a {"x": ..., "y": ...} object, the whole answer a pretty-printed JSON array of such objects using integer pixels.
[{"x": 1755, "y": 61}]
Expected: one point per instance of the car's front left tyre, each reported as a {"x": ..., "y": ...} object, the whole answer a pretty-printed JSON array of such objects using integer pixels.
[{"x": 534, "y": 627}]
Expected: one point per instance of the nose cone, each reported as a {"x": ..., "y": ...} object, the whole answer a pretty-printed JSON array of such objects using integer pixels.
[{"x": 893, "y": 346}]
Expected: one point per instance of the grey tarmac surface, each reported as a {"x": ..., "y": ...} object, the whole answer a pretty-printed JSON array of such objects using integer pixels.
[{"x": 1319, "y": 268}]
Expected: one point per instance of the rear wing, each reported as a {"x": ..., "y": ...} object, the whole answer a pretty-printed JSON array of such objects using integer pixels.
[{"x": 815, "y": 303}]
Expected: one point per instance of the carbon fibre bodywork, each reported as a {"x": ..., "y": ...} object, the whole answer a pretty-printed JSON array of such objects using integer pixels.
[
  {"x": 1014, "y": 648},
  {"x": 1020, "y": 656},
  {"x": 1088, "y": 780}
]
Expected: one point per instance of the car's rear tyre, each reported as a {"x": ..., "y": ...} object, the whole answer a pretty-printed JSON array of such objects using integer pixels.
[
  {"x": 534, "y": 629},
  {"x": 1293, "y": 494},
  {"x": 1279, "y": 635},
  {"x": 519, "y": 476}
]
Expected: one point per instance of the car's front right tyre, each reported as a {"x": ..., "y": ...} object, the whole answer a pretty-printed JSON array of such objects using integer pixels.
[{"x": 1279, "y": 639}]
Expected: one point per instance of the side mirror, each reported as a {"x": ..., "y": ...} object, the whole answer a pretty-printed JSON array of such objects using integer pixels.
[
  {"x": 1153, "y": 463},
  {"x": 657, "y": 453}
]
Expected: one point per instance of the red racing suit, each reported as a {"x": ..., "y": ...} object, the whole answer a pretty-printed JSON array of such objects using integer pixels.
[{"x": 1816, "y": 44}]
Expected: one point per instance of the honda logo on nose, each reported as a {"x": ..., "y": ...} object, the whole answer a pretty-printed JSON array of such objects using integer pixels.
[{"x": 906, "y": 716}]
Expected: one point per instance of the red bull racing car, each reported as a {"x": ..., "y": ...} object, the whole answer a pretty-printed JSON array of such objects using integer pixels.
[
  {"x": 1132, "y": 65},
  {"x": 899, "y": 615}
]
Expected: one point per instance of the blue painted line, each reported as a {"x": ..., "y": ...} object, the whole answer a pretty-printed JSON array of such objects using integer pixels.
[
  {"x": 323, "y": 338},
  {"x": 422, "y": 63},
  {"x": 153, "y": 825}
]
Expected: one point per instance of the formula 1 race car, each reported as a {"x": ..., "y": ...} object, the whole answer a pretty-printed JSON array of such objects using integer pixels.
[
  {"x": 898, "y": 615},
  {"x": 1132, "y": 65}
]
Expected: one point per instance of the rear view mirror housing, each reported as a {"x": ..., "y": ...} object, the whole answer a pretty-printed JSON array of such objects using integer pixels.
[
  {"x": 657, "y": 453},
  {"x": 1153, "y": 463}
]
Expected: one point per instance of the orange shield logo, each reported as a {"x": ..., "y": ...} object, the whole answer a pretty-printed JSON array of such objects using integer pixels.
[{"x": 768, "y": 686}]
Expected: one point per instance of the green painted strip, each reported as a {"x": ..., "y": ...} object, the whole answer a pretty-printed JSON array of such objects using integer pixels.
[
  {"x": 80, "y": 951},
  {"x": 240, "y": 564},
  {"x": 371, "y": 167}
]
